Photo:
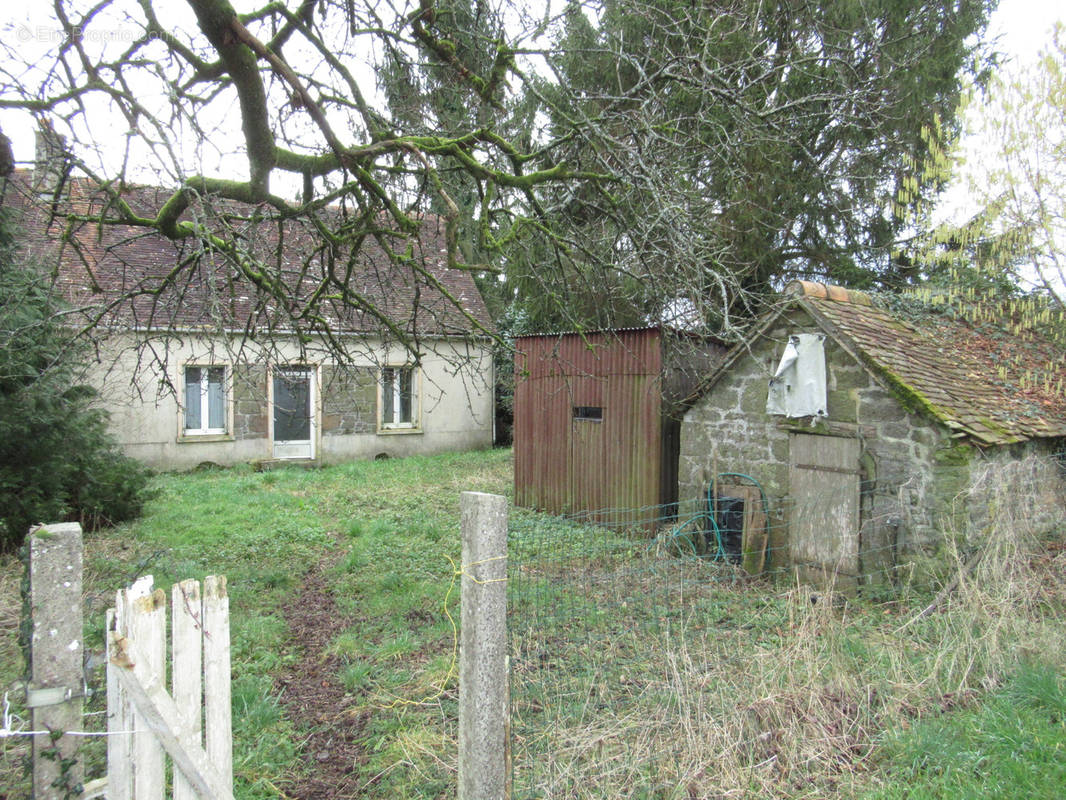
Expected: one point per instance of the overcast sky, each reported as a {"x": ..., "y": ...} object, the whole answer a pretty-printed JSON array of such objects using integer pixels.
[
  {"x": 1024, "y": 26},
  {"x": 1021, "y": 29}
]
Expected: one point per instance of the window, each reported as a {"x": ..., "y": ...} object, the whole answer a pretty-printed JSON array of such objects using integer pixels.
[
  {"x": 205, "y": 400},
  {"x": 588, "y": 413},
  {"x": 399, "y": 402}
]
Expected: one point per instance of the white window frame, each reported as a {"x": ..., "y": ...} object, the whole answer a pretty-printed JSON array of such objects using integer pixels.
[
  {"x": 393, "y": 425},
  {"x": 205, "y": 430}
]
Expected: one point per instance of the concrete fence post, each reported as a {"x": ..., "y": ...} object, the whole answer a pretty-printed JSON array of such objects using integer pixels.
[
  {"x": 483, "y": 679},
  {"x": 54, "y": 694}
]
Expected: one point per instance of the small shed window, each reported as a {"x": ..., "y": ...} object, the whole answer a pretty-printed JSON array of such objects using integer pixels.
[{"x": 588, "y": 413}]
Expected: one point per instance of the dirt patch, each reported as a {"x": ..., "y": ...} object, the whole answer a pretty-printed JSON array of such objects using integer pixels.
[{"x": 312, "y": 692}]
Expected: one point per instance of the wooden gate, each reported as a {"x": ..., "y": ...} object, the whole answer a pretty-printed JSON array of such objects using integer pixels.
[
  {"x": 144, "y": 720},
  {"x": 823, "y": 525}
]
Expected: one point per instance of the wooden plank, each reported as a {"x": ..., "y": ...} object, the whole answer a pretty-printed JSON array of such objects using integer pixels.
[
  {"x": 761, "y": 524},
  {"x": 162, "y": 718},
  {"x": 121, "y": 721},
  {"x": 119, "y": 775},
  {"x": 187, "y": 668},
  {"x": 91, "y": 790},
  {"x": 841, "y": 470},
  {"x": 217, "y": 704},
  {"x": 147, "y": 627},
  {"x": 756, "y": 534}
]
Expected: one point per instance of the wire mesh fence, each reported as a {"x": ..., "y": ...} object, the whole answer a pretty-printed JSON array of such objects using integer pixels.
[
  {"x": 597, "y": 615},
  {"x": 641, "y": 658}
]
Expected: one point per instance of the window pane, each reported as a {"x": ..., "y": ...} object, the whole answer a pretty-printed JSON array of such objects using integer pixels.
[
  {"x": 192, "y": 398},
  {"x": 405, "y": 395},
  {"x": 292, "y": 407},
  {"x": 388, "y": 391},
  {"x": 589, "y": 413},
  {"x": 216, "y": 405}
]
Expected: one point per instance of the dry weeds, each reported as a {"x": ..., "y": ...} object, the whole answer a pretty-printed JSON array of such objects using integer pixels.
[{"x": 710, "y": 712}]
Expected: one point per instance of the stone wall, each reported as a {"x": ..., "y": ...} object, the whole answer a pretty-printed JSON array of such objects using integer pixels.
[
  {"x": 910, "y": 468},
  {"x": 349, "y": 400},
  {"x": 250, "y": 402},
  {"x": 1013, "y": 491}
]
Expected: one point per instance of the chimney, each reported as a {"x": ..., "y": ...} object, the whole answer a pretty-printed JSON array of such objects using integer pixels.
[{"x": 50, "y": 168}]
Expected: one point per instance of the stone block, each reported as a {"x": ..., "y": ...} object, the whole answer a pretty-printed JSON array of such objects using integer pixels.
[
  {"x": 877, "y": 411},
  {"x": 898, "y": 429},
  {"x": 849, "y": 377},
  {"x": 248, "y": 407},
  {"x": 753, "y": 397},
  {"x": 842, "y": 405},
  {"x": 925, "y": 435},
  {"x": 250, "y": 426}
]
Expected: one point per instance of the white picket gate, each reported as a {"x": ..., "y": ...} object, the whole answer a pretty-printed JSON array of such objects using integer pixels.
[{"x": 192, "y": 722}]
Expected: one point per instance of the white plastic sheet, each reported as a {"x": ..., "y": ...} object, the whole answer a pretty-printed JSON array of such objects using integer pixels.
[{"x": 798, "y": 386}]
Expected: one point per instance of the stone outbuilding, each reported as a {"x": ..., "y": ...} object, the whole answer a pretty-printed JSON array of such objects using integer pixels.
[{"x": 867, "y": 428}]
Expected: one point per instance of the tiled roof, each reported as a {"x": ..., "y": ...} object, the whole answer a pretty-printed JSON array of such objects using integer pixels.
[
  {"x": 115, "y": 271},
  {"x": 994, "y": 381}
]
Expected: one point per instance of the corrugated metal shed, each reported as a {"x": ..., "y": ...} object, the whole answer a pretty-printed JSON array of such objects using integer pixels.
[{"x": 591, "y": 431}]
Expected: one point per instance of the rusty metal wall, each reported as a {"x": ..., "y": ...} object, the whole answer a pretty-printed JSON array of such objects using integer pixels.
[{"x": 611, "y": 468}]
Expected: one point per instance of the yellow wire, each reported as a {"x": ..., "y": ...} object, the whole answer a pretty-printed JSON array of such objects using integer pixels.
[{"x": 457, "y": 572}]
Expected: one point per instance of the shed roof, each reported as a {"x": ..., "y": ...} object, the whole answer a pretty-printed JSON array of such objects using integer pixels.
[
  {"x": 982, "y": 371},
  {"x": 116, "y": 270}
]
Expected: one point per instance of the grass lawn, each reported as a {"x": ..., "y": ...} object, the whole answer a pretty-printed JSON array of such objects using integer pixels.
[
  {"x": 645, "y": 676},
  {"x": 1011, "y": 744},
  {"x": 380, "y": 536}
]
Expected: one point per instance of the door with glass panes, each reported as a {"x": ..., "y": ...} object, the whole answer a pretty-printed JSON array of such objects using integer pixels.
[{"x": 294, "y": 413}]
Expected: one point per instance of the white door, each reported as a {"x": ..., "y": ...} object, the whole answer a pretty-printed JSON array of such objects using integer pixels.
[{"x": 294, "y": 413}]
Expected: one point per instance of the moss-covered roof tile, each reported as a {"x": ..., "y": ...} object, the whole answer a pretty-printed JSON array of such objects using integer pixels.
[{"x": 986, "y": 373}]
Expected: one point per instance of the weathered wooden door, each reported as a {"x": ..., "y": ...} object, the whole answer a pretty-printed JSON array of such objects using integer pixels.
[{"x": 824, "y": 515}]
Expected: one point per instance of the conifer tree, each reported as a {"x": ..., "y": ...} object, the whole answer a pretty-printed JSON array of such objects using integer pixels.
[{"x": 57, "y": 461}]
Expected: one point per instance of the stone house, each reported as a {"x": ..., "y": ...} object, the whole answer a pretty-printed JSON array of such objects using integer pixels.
[
  {"x": 868, "y": 428},
  {"x": 194, "y": 366}
]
